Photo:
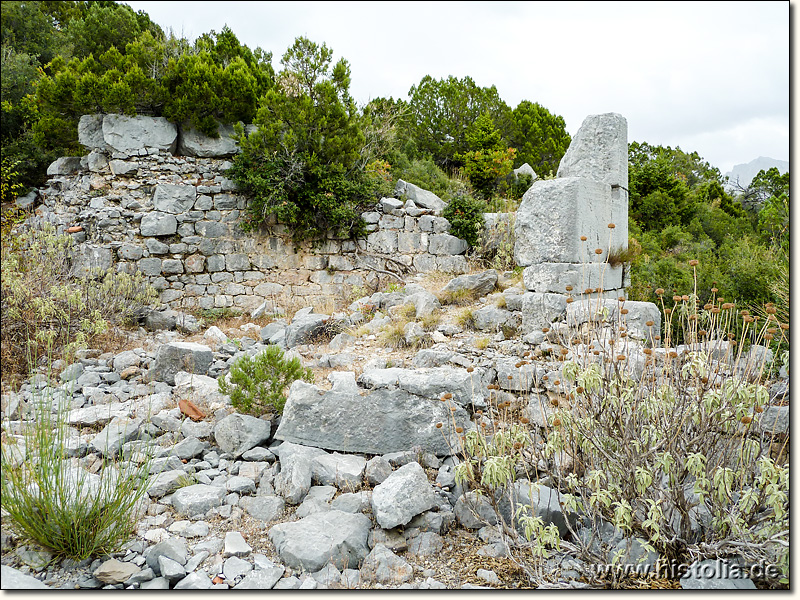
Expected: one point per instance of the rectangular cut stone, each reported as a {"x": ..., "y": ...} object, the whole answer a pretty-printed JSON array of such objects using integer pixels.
[
  {"x": 555, "y": 277},
  {"x": 553, "y": 216}
]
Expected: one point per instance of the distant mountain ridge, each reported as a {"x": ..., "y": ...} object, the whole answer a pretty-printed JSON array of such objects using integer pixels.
[{"x": 746, "y": 172}]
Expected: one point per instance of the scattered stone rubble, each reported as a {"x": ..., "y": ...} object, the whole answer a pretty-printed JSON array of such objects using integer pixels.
[{"x": 354, "y": 485}]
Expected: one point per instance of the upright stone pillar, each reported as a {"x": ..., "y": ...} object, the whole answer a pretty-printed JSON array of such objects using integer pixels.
[{"x": 562, "y": 229}]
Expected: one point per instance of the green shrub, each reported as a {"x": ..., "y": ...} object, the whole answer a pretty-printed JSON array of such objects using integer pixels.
[
  {"x": 49, "y": 500},
  {"x": 664, "y": 447},
  {"x": 466, "y": 218},
  {"x": 47, "y": 310},
  {"x": 257, "y": 384}
]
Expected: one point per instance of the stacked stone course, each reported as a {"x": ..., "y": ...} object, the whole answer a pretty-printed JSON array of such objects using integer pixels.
[{"x": 177, "y": 219}]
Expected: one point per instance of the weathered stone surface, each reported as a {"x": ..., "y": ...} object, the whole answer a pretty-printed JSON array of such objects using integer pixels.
[
  {"x": 125, "y": 134},
  {"x": 173, "y": 198},
  {"x": 119, "y": 431},
  {"x": 555, "y": 213},
  {"x": 301, "y": 330},
  {"x": 157, "y": 223},
  {"x": 235, "y": 545},
  {"x": 180, "y": 356},
  {"x": 555, "y": 277},
  {"x": 65, "y": 165},
  {"x": 238, "y": 433},
  {"x": 172, "y": 548},
  {"x": 426, "y": 543},
  {"x": 87, "y": 259},
  {"x": 115, "y": 571},
  {"x": 541, "y": 309},
  {"x": 466, "y": 387},
  {"x": 420, "y": 197},
  {"x": 775, "y": 420},
  {"x": 263, "y": 578},
  {"x": 444, "y": 244},
  {"x": 474, "y": 511},
  {"x": 385, "y": 567},
  {"x": 13, "y": 579},
  {"x": 198, "y": 499},
  {"x": 165, "y": 482},
  {"x": 196, "y": 580},
  {"x": 403, "y": 495},
  {"x": 490, "y": 318},
  {"x": 476, "y": 284},
  {"x": 381, "y": 421},
  {"x": 326, "y": 537},
  {"x": 90, "y": 131},
  {"x": 345, "y": 471},
  {"x": 195, "y": 143},
  {"x": 123, "y": 167},
  {"x": 294, "y": 480},
  {"x": 263, "y": 508},
  {"x": 599, "y": 151}
]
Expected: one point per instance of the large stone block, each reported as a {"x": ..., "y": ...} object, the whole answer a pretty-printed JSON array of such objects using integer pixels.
[
  {"x": 90, "y": 131},
  {"x": 444, "y": 244},
  {"x": 599, "y": 151},
  {"x": 420, "y": 197},
  {"x": 379, "y": 422},
  {"x": 90, "y": 258},
  {"x": 180, "y": 356},
  {"x": 174, "y": 198},
  {"x": 196, "y": 143},
  {"x": 158, "y": 223},
  {"x": 555, "y": 277},
  {"x": 125, "y": 134},
  {"x": 541, "y": 309},
  {"x": 555, "y": 214},
  {"x": 66, "y": 165}
]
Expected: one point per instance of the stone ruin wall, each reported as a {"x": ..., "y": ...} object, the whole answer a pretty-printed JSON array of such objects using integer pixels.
[{"x": 153, "y": 197}]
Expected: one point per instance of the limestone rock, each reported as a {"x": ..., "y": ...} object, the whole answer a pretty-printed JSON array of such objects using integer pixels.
[
  {"x": 420, "y": 197},
  {"x": 403, "y": 495},
  {"x": 180, "y": 356},
  {"x": 115, "y": 571},
  {"x": 599, "y": 151},
  {"x": 385, "y": 567},
  {"x": 125, "y": 134},
  {"x": 324, "y": 537},
  {"x": 195, "y": 143},
  {"x": 238, "y": 433},
  {"x": 555, "y": 213},
  {"x": 380, "y": 421},
  {"x": 198, "y": 499},
  {"x": 65, "y": 165}
]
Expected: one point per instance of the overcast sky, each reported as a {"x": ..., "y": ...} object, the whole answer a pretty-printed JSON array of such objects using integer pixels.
[{"x": 710, "y": 77}]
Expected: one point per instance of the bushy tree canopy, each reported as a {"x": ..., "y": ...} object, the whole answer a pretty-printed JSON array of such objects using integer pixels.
[
  {"x": 305, "y": 163},
  {"x": 539, "y": 137},
  {"x": 442, "y": 111}
]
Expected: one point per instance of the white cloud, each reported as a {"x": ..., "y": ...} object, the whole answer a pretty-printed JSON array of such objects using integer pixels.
[{"x": 707, "y": 76}]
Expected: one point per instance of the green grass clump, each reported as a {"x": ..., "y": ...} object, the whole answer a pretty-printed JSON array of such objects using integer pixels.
[{"x": 50, "y": 501}]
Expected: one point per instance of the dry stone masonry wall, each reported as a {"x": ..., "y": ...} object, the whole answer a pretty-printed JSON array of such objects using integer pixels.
[{"x": 134, "y": 205}]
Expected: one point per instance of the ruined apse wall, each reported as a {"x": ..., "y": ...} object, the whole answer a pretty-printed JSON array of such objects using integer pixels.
[
  {"x": 151, "y": 197},
  {"x": 562, "y": 226}
]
